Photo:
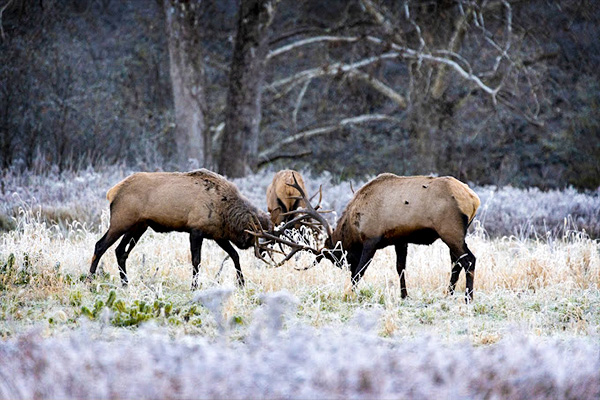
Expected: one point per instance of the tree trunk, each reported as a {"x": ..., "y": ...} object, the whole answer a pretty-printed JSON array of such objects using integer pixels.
[
  {"x": 187, "y": 76},
  {"x": 243, "y": 111}
]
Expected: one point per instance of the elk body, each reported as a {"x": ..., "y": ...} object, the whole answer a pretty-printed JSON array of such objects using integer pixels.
[
  {"x": 393, "y": 210},
  {"x": 283, "y": 197},
  {"x": 201, "y": 203}
]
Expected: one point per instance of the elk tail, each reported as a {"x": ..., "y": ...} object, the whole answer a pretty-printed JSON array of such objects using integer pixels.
[{"x": 112, "y": 192}]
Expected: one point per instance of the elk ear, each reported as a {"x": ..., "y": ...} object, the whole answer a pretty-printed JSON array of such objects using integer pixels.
[{"x": 272, "y": 210}]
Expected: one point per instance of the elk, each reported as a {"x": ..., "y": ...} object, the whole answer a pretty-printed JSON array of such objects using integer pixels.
[
  {"x": 282, "y": 197},
  {"x": 398, "y": 210},
  {"x": 201, "y": 203}
]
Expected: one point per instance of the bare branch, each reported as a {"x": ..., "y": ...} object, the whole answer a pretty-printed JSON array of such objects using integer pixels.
[
  {"x": 4, "y": 7},
  {"x": 380, "y": 87},
  {"x": 439, "y": 85},
  {"x": 532, "y": 119},
  {"x": 267, "y": 153},
  {"x": 449, "y": 59},
  {"x": 304, "y": 42},
  {"x": 379, "y": 17},
  {"x": 298, "y": 104},
  {"x": 503, "y": 50},
  {"x": 414, "y": 54},
  {"x": 333, "y": 69},
  {"x": 400, "y": 51},
  {"x": 279, "y": 156}
]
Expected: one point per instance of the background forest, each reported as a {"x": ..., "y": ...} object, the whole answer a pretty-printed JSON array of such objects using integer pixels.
[{"x": 492, "y": 92}]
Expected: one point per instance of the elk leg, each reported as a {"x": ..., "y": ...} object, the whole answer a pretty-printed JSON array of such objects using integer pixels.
[
  {"x": 368, "y": 251},
  {"x": 468, "y": 263},
  {"x": 225, "y": 245},
  {"x": 456, "y": 267},
  {"x": 130, "y": 238},
  {"x": 109, "y": 238},
  {"x": 196, "y": 239},
  {"x": 401, "y": 251}
]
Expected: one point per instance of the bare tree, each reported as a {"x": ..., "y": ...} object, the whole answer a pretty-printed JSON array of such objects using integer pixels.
[
  {"x": 192, "y": 138},
  {"x": 439, "y": 74},
  {"x": 239, "y": 146}
]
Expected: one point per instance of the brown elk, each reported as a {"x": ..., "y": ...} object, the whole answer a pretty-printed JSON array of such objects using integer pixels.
[
  {"x": 396, "y": 210},
  {"x": 201, "y": 203},
  {"x": 282, "y": 197}
]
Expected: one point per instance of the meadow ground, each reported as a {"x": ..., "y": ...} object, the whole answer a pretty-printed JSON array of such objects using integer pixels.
[{"x": 531, "y": 332}]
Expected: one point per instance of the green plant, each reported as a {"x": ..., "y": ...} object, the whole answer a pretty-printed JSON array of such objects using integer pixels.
[
  {"x": 6, "y": 272},
  {"x": 75, "y": 298},
  {"x": 426, "y": 316}
]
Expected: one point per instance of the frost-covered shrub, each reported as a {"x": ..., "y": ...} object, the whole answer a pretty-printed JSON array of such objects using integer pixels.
[
  {"x": 532, "y": 212},
  {"x": 59, "y": 198},
  {"x": 297, "y": 362},
  {"x": 507, "y": 211}
]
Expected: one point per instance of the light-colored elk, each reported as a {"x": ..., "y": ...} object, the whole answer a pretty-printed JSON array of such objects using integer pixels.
[
  {"x": 282, "y": 197},
  {"x": 201, "y": 203},
  {"x": 398, "y": 210}
]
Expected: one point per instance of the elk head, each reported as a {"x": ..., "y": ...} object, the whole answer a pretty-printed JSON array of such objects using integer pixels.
[{"x": 308, "y": 216}]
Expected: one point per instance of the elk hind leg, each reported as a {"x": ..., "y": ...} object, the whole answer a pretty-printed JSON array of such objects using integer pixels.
[
  {"x": 122, "y": 251},
  {"x": 109, "y": 238},
  {"x": 468, "y": 263},
  {"x": 453, "y": 233},
  {"x": 456, "y": 267},
  {"x": 462, "y": 258}
]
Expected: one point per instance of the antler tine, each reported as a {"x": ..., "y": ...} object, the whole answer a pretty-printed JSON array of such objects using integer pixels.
[
  {"x": 287, "y": 257},
  {"x": 320, "y": 196},
  {"x": 276, "y": 238},
  {"x": 293, "y": 221},
  {"x": 289, "y": 243},
  {"x": 310, "y": 210}
]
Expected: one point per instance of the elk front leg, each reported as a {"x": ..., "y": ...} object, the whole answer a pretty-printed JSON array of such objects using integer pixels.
[
  {"x": 368, "y": 251},
  {"x": 196, "y": 239},
  {"x": 225, "y": 245},
  {"x": 401, "y": 251}
]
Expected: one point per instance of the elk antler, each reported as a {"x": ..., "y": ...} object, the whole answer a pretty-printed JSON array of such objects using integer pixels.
[
  {"x": 275, "y": 237},
  {"x": 279, "y": 236},
  {"x": 310, "y": 211}
]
